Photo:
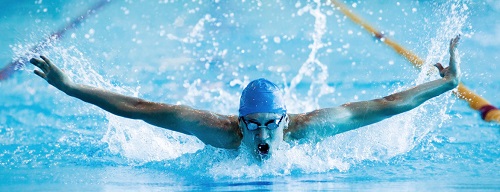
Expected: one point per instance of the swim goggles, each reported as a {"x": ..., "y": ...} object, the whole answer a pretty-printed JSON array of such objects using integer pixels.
[{"x": 271, "y": 125}]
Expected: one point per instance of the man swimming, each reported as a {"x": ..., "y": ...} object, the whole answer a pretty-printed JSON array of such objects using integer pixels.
[{"x": 263, "y": 122}]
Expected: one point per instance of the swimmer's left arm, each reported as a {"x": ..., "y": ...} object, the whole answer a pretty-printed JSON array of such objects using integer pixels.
[{"x": 331, "y": 121}]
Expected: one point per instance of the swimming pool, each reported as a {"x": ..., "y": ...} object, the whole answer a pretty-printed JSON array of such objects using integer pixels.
[{"x": 202, "y": 54}]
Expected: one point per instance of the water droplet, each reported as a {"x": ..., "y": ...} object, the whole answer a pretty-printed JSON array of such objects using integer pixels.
[
  {"x": 297, "y": 5},
  {"x": 277, "y": 39}
]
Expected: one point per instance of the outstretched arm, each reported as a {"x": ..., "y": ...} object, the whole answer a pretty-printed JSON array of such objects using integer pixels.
[
  {"x": 331, "y": 121},
  {"x": 213, "y": 129}
]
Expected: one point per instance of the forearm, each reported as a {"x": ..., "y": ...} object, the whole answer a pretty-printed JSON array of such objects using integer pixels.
[
  {"x": 115, "y": 103},
  {"x": 357, "y": 114},
  {"x": 367, "y": 112},
  {"x": 411, "y": 98}
]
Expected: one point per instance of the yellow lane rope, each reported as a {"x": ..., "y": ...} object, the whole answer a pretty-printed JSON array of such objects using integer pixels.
[{"x": 476, "y": 102}]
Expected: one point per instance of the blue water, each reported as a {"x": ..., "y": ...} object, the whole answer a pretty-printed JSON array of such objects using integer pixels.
[{"x": 202, "y": 54}]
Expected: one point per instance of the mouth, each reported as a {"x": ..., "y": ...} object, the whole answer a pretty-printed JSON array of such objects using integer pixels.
[{"x": 263, "y": 149}]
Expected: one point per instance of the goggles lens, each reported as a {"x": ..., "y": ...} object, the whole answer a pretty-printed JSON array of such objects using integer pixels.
[{"x": 270, "y": 125}]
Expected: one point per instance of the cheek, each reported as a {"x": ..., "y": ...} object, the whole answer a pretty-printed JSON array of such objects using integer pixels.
[
  {"x": 248, "y": 137},
  {"x": 277, "y": 135}
]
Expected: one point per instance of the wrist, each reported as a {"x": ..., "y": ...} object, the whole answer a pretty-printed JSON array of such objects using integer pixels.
[
  {"x": 69, "y": 87},
  {"x": 453, "y": 81}
]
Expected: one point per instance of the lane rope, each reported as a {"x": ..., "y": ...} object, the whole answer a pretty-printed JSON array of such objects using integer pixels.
[
  {"x": 10, "y": 68},
  {"x": 476, "y": 102}
]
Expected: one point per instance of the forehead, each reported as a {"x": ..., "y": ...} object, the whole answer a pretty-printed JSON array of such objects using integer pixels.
[{"x": 263, "y": 116}]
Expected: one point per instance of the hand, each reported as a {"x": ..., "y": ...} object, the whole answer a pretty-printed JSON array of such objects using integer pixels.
[
  {"x": 453, "y": 70},
  {"x": 51, "y": 73}
]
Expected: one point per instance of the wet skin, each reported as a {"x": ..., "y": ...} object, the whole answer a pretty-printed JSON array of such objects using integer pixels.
[
  {"x": 263, "y": 141},
  {"x": 229, "y": 132}
]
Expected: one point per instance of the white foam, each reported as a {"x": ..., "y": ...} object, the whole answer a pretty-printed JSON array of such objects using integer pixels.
[
  {"x": 142, "y": 143},
  {"x": 312, "y": 68}
]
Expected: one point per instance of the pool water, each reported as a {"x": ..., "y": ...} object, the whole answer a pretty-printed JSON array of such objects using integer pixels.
[{"x": 203, "y": 53}]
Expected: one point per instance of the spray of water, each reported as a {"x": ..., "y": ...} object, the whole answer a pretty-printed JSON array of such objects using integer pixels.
[
  {"x": 141, "y": 143},
  {"x": 134, "y": 140},
  {"x": 312, "y": 67},
  {"x": 377, "y": 142},
  {"x": 454, "y": 15}
]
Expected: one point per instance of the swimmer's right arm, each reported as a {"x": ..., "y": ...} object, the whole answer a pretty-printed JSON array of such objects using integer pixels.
[{"x": 211, "y": 128}]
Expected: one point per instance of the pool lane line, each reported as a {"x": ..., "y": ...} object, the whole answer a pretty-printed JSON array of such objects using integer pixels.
[
  {"x": 476, "y": 102},
  {"x": 9, "y": 69}
]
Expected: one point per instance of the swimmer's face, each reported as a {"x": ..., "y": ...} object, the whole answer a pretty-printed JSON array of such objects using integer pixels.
[{"x": 263, "y": 132}]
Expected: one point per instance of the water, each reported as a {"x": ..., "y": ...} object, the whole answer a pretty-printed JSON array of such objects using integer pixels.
[{"x": 202, "y": 54}]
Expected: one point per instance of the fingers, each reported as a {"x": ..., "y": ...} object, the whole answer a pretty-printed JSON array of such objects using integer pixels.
[
  {"x": 456, "y": 39},
  {"x": 453, "y": 47},
  {"x": 454, "y": 44},
  {"x": 39, "y": 73},
  {"x": 46, "y": 60},
  {"x": 40, "y": 64}
]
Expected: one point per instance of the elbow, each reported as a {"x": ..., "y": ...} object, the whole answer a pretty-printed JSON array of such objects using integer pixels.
[
  {"x": 452, "y": 81},
  {"x": 136, "y": 109},
  {"x": 140, "y": 103}
]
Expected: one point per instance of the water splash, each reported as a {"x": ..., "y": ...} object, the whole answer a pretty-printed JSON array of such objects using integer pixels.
[
  {"x": 196, "y": 34},
  {"x": 377, "y": 142},
  {"x": 454, "y": 14},
  {"x": 131, "y": 139},
  {"x": 211, "y": 92},
  {"x": 141, "y": 143},
  {"x": 312, "y": 67}
]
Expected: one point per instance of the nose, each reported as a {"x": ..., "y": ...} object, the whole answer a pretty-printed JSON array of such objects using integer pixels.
[{"x": 263, "y": 133}]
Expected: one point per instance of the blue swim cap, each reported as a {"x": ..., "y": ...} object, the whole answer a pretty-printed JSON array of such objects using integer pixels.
[{"x": 261, "y": 96}]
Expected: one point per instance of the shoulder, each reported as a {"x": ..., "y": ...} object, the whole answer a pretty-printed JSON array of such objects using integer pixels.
[
  {"x": 333, "y": 114},
  {"x": 217, "y": 130},
  {"x": 322, "y": 122},
  {"x": 219, "y": 126},
  {"x": 211, "y": 128}
]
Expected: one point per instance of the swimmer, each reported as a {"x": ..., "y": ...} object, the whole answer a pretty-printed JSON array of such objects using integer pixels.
[{"x": 263, "y": 122}]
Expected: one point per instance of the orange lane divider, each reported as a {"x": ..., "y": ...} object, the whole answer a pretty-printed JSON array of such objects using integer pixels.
[{"x": 476, "y": 102}]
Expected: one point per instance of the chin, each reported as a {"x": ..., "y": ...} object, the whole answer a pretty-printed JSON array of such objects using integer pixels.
[{"x": 262, "y": 157}]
